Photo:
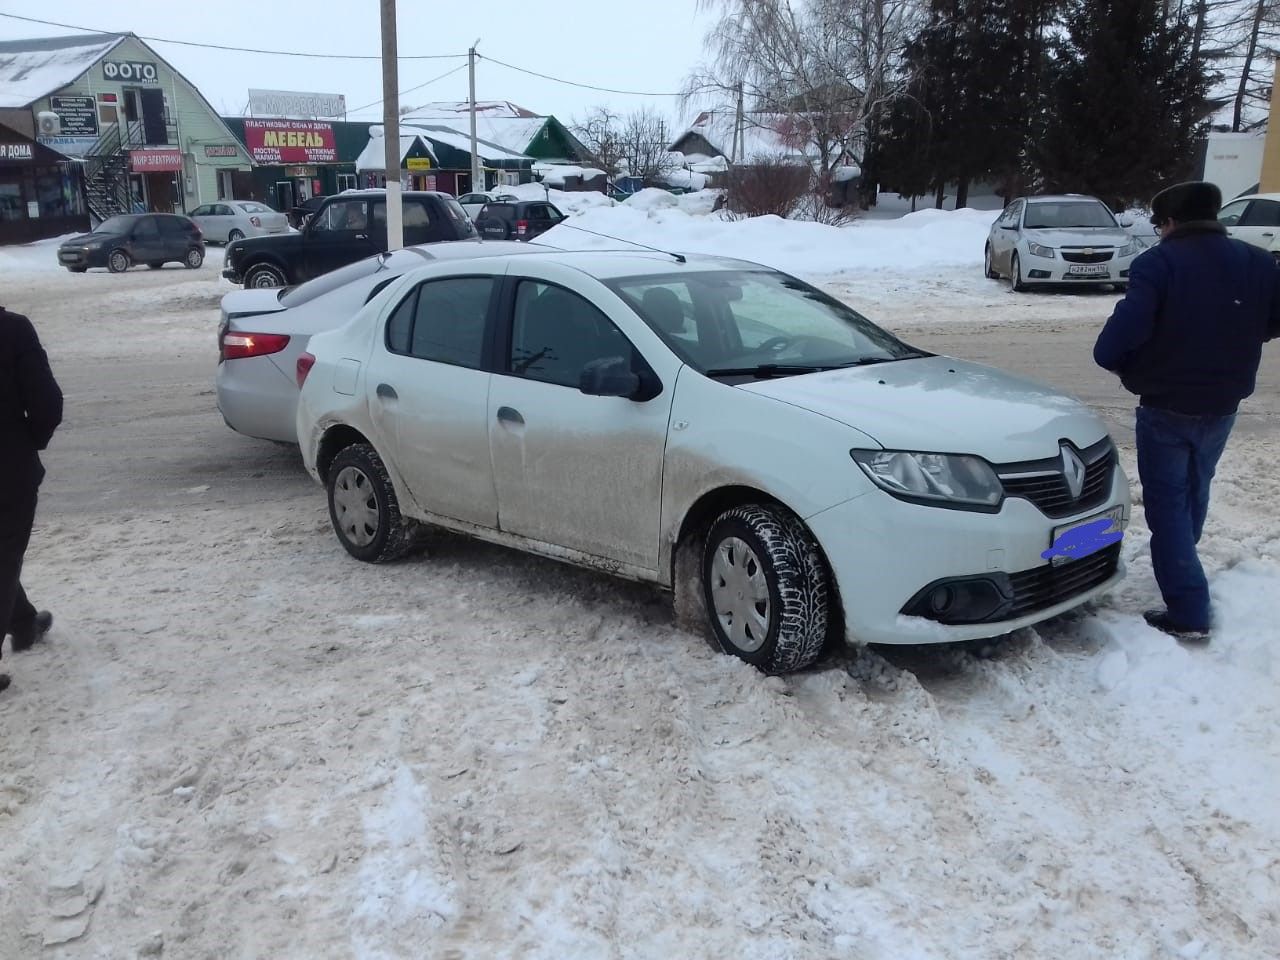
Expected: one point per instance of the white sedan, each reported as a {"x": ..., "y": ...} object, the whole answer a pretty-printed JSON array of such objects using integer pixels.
[
  {"x": 1254, "y": 219},
  {"x": 1069, "y": 239},
  {"x": 473, "y": 203},
  {"x": 230, "y": 220},
  {"x": 262, "y": 332},
  {"x": 719, "y": 428}
]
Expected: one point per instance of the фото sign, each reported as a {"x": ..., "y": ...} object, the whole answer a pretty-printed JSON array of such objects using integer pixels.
[
  {"x": 155, "y": 161},
  {"x": 77, "y": 115},
  {"x": 287, "y": 103},
  {"x": 135, "y": 70},
  {"x": 290, "y": 141}
]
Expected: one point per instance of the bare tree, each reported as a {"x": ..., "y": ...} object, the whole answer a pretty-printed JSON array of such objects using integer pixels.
[
  {"x": 1238, "y": 40},
  {"x": 644, "y": 142},
  {"x": 601, "y": 133}
]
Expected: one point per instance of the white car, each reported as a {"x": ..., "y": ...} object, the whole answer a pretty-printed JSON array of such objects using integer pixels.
[
  {"x": 716, "y": 427},
  {"x": 1069, "y": 239},
  {"x": 263, "y": 331},
  {"x": 230, "y": 220},
  {"x": 473, "y": 203},
  {"x": 1254, "y": 219}
]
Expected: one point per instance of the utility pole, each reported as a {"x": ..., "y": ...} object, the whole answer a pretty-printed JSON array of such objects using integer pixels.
[
  {"x": 738, "y": 133},
  {"x": 391, "y": 125},
  {"x": 477, "y": 174}
]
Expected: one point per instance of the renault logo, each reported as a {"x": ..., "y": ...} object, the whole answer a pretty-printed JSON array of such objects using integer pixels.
[{"x": 1072, "y": 471}]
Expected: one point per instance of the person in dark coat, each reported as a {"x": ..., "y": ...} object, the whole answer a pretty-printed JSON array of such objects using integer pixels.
[
  {"x": 1187, "y": 339},
  {"x": 30, "y": 410}
]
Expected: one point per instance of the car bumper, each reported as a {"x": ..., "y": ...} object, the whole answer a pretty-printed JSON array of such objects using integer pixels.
[
  {"x": 256, "y": 398},
  {"x": 232, "y": 274},
  {"x": 71, "y": 257},
  {"x": 1056, "y": 270},
  {"x": 884, "y": 553}
]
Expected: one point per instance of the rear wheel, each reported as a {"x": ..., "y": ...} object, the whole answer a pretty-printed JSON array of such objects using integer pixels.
[
  {"x": 264, "y": 275},
  {"x": 234, "y": 235},
  {"x": 363, "y": 506},
  {"x": 1015, "y": 275},
  {"x": 194, "y": 258},
  {"x": 766, "y": 588},
  {"x": 118, "y": 261}
]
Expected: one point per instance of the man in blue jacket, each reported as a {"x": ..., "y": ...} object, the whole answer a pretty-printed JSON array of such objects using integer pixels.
[{"x": 1187, "y": 339}]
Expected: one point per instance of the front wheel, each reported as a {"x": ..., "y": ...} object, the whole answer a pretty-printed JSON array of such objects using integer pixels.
[
  {"x": 987, "y": 266},
  {"x": 766, "y": 588},
  {"x": 264, "y": 275},
  {"x": 1015, "y": 275},
  {"x": 194, "y": 258},
  {"x": 118, "y": 261},
  {"x": 363, "y": 506}
]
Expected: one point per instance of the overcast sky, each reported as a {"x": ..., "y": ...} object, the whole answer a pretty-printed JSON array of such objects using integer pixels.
[{"x": 649, "y": 46}]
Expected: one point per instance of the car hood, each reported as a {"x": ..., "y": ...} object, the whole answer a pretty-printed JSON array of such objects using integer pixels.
[
  {"x": 942, "y": 405},
  {"x": 82, "y": 239},
  {"x": 1084, "y": 237},
  {"x": 276, "y": 241},
  {"x": 245, "y": 303}
]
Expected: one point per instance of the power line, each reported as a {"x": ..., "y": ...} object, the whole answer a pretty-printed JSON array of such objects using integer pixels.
[
  {"x": 217, "y": 46},
  {"x": 447, "y": 73},
  {"x": 572, "y": 83}
]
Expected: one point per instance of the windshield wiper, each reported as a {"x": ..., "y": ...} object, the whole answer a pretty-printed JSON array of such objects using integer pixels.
[{"x": 765, "y": 370}]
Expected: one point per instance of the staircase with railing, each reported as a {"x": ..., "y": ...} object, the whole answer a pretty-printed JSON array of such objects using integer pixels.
[{"x": 106, "y": 175}]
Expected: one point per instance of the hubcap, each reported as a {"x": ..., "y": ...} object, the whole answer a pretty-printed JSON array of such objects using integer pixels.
[
  {"x": 118, "y": 261},
  {"x": 194, "y": 258},
  {"x": 740, "y": 594},
  {"x": 264, "y": 278},
  {"x": 355, "y": 507}
]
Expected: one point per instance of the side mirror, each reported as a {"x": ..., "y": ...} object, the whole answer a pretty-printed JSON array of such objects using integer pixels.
[
  {"x": 609, "y": 377},
  {"x": 1126, "y": 222}
]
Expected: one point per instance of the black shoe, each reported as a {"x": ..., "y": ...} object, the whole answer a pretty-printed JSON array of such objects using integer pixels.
[
  {"x": 32, "y": 634},
  {"x": 1160, "y": 620},
  {"x": 4, "y": 681}
]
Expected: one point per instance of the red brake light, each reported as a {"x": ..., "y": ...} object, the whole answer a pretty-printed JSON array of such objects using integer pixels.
[
  {"x": 237, "y": 345},
  {"x": 305, "y": 362},
  {"x": 522, "y": 227},
  {"x": 255, "y": 221}
]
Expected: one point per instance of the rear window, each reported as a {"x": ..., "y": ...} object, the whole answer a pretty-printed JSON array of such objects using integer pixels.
[
  {"x": 255, "y": 208},
  {"x": 499, "y": 211},
  {"x": 174, "y": 226},
  {"x": 397, "y": 263}
]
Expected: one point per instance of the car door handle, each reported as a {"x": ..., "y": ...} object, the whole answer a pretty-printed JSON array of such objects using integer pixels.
[
  {"x": 508, "y": 415},
  {"x": 1268, "y": 234},
  {"x": 387, "y": 392}
]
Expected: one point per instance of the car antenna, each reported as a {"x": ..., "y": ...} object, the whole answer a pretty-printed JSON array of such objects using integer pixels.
[{"x": 679, "y": 257}]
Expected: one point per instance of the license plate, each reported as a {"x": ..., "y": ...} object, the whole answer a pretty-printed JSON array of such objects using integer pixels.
[
  {"x": 68, "y": 256},
  {"x": 1081, "y": 538},
  {"x": 1087, "y": 269}
]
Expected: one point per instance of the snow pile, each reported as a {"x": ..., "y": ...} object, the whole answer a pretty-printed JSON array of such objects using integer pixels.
[
  {"x": 652, "y": 198},
  {"x": 571, "y": 202}
]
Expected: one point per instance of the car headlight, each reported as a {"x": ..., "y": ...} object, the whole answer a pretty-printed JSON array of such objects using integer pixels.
[
  {"x": 940, "y": 479},
  {"x": 1128, "y": 250},
  {"x": 1040, "y": 250}
]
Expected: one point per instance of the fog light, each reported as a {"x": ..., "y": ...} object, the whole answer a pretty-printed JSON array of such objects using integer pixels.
[
  {"x": 941, "y": 599},
  {"x": 1039, "y": 275},
  {"x": 962, "y": 599}
]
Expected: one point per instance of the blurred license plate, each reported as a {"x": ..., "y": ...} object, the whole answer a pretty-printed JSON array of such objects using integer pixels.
[
  {"x": 1087, "y": 269},
  {"x": 1064, "y": 548}
]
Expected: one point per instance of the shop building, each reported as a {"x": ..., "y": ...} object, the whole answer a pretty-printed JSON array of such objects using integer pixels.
[
  {"x": 296, "y": 160},
  {"x": 435, "y": 157},
  {"x": 41, "y": 191},
  {"x": 144, "y": 136}
]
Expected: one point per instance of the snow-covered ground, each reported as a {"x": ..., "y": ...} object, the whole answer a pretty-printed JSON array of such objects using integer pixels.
[{"x": 240, "y": 743}]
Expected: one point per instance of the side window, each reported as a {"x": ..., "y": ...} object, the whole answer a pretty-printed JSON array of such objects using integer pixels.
[
  {"x": 201, "y": 211},
  {"x": 342, "y": 215},
  {"x": 1230, "y": 214},
  {"x": 1262, "y": 213},
  {"x": 172, "y": 227},
  {"x": 555, "y": 333},
  {"x": 444, "y": 321},
  {"x": 146, "y": 229}
]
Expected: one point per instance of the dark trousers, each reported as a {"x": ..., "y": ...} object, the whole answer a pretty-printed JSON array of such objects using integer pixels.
[
  {"x": 1177, "y": 456},
  {"x": 17, "y": 514}
]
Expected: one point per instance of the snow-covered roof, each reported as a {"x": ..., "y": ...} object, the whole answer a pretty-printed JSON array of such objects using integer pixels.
[
  {"x": 373, "y": 157},
  {"x": 554, "y": 174},
  {"x": 509, "y": 133},
  {"x": 487, "y": 108},
  {"x": 462, "y": 141},
  {"x": 765, "y": 136},
  {"x": 33, "y": 69}
]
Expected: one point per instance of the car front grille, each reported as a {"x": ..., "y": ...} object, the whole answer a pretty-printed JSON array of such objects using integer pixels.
[
  {"x": 1043, "y": 587},
  {"x": 1095, "y": 256},
  {"x": 1043, "y": 483}
]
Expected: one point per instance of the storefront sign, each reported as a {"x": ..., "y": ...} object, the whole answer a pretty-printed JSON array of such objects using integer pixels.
[
  {"x": 78, "y": 115},
  {"x": 290, "y": 141},
  {"x": 135, "y": 70},
  {"x": 68, "y": 146},
  {"x": 16, "y": 152},
  {"x": 221, "y": 150},
  {"x": 288, "y": 103},
  {"x": 155, "y": 161},
  {"x": 299, "y": 171},
  {"x": 418, "y": 163}
]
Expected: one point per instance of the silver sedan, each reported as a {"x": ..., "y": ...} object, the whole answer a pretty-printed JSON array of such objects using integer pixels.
[{"x": 229, "y": 220}]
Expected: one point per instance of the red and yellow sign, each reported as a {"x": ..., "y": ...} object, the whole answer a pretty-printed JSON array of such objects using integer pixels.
[{"x": 290, "y": 141}]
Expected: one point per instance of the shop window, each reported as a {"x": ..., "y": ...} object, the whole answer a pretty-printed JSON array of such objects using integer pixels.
[
  {"x": 11, "y": 205},
  {"x": 346, "y": 181}
]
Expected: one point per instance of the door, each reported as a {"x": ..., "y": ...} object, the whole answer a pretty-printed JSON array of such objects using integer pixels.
[
  {"x": 1258, "y": 223},
  {"x": 145, "y": 244},
  {"x": 284, "y": 195},
  {"x": 175, "y": 239},
  {"x": 154, "y": 129},
  {"x": 428, "y": 397},
  {"x": 1006, "y": 237},
  {"x": 574, "y": 470},
  {"x": 338, "y": 235}
]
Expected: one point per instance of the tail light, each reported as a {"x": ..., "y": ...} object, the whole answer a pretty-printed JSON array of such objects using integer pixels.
[
  {"x": 237, "y": 345},
  {"x": 256, "y": 221},
  {"x": 305, "y": 362},
  {"x": 522, "y": 227}
]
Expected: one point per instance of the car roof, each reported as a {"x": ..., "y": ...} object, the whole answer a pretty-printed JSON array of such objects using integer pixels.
[
  {"x": 1060, "y": 197},
  {"x": 1254, "y": 196},
  {"x": 610, "y": 264},
  {"x": 381, "y": 192}
]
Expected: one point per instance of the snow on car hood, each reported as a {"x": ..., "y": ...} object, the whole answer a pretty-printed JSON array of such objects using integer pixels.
[
  {"x": 937, "y": 404},
  {"x": 1091, "y": 237}
]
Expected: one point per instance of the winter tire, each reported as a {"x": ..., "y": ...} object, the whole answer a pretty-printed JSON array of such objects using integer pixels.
[
  {"x": 987, "y": 266},
  {"x": 263, "y": 275},
  {"x": 118, "y": 261},
  {"x": 363, "y": 506},
  {"x": 234, "y": 235},
  {"x": 194, "y": 258},
  {"x": 766, "y": 588},
  {"x": 1015, "y": 275}
]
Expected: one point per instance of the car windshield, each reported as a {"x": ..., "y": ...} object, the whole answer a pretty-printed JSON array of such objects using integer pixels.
[
  {"x": 755, "y": 323},
  {"x": 1067, "y": 215},
  {"x": 114, "y": 225}
]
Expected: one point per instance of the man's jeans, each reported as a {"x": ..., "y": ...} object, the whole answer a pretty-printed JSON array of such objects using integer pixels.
[{"x": 1177, "y": 456}]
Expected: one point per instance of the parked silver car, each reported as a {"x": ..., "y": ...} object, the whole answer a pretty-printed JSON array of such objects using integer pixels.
[
  {"x": 473, "y": 203},
  {"x": 262, "y": 331},
  {"x": 229, "y": 220},
  {"x": 1068, "y": 239}
]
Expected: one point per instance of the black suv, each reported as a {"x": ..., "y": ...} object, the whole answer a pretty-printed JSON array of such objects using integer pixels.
[
  {"x": 517, "y": 220},
  {"x": 347, "y": 227},
  {"x": 151, "y": 238}
]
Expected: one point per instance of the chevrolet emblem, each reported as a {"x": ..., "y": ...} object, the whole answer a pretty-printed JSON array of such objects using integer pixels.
[{"x": 1087, "y": 251}]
